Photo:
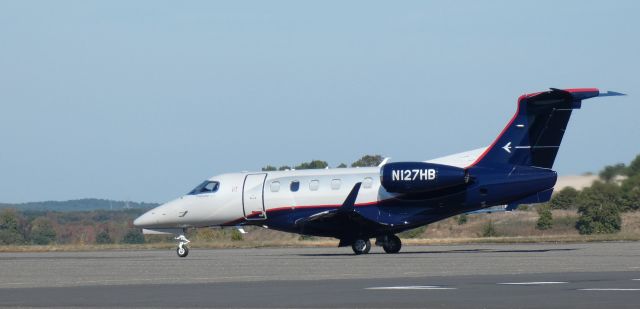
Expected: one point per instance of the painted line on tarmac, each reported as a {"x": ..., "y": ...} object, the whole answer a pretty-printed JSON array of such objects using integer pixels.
[
  {"x": 533, "y": 283},
  {"x": 608, "y": 289},
  {"x": 412, "y": 287}
]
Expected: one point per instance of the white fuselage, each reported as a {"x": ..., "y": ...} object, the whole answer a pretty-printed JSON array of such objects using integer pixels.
[
  {"x": 252, "y": 195},
  {"x": 247, "y": 195}
]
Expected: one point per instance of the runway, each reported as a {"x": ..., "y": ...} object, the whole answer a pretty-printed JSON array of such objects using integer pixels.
[{"x": 591, "y": 275}]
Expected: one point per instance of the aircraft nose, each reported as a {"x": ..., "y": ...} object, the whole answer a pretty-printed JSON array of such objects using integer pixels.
[{"x": 145, "y": 220}]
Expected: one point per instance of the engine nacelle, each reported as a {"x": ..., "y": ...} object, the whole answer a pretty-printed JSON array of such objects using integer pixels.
[{"x": 414, "y": 177}]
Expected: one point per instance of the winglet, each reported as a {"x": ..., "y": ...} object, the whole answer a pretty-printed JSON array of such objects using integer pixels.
[{"x": 350, "y": 202}]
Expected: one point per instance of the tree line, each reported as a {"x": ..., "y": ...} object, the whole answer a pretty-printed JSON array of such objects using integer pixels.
[
  {"x": 364, "y": 161},
  {"x": 77, "y": 227},
  {"x": 86, "y": 204}
]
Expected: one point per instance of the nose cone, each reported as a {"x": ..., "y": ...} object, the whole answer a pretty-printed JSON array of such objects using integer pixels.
[{"x": 145, "y": 220}]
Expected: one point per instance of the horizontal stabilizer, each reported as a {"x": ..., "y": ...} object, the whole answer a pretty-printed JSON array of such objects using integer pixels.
[
  {"x": 540, "y": 197},
  {"x": 610, "y": 94}
]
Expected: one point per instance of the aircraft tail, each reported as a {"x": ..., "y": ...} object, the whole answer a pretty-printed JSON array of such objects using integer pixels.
[{"x": 534, "y": 134}]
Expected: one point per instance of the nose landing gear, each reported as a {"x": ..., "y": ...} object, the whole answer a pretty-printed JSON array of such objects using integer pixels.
[{"x": 182, "y": 249}]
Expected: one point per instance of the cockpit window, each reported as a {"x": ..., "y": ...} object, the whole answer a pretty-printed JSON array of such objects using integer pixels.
[{"x": 205, "y": 187}]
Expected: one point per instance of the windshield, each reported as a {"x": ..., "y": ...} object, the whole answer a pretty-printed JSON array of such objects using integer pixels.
[{"x": 205, "y": 187}]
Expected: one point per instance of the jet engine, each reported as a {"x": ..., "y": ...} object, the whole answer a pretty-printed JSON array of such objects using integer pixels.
[{"x": 415, "y": 177}]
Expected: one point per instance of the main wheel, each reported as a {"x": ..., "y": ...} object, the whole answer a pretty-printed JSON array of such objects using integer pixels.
[
  {"x": 361, "y": 246},
  {"x": 182, "y": 251},
  {"x": 392, "y": 245}
]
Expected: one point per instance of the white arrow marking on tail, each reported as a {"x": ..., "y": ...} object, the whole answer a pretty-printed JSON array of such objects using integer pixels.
[{"x": 507, "y": 147}]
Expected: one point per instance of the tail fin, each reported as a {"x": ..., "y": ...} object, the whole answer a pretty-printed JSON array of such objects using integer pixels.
[{"x": 533, "y": 136}]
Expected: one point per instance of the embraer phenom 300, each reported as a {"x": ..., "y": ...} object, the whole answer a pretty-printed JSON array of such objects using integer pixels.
[{"x": 355, "y": 205}]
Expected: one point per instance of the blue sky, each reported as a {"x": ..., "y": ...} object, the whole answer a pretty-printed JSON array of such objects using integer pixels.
[{"x": 141, "y": 100}]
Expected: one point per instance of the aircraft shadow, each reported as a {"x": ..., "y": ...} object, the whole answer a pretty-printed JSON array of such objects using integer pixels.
[{"x": 462, "y": 251}]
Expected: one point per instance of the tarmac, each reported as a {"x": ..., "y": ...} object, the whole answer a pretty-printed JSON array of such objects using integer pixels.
[{"x": 586, "y": 275}]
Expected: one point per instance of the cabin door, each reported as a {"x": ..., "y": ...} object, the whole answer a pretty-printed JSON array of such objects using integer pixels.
[{"x": 253, "y": 197}]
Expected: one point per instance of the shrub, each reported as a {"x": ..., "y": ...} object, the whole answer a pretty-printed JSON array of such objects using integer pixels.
[
  {"x": 545, "y": 219},
  {"x": 42, "y": 232},
  {"x": 634, "y": 167},
  {"x": 565, "y": 199},
  {"x": 10, "y": 228},
  {"x": 236, "y": 235},
  {"x": 489, "y": 230},
  {"x": 599, "y": 218},
  {"x": 103, "y": 238},
  {"x": 599, "y": 210},
  {"x": 609, "y": 173},
  {"x": 462, "y": 219},
  {"x": 631, "y": 192},
  {"x": 133, "y": 236}
]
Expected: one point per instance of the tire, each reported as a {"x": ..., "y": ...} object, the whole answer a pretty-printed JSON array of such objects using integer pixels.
[
  {"x": 361, "y": 246},
  {"x": 392, "y": 245},
  {"x": 182, "y": 252}
]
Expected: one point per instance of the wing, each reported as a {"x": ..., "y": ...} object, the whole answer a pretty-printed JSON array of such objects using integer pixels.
[{"x": 343, "y": 222}]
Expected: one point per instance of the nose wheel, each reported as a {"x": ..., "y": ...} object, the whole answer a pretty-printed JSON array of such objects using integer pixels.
[{"x": 182, "y": 249}]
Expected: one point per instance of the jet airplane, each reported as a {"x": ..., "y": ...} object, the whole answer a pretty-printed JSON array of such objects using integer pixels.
[{"x": 355, "y": 205}]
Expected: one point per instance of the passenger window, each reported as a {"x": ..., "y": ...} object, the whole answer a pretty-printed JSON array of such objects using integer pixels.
[
  {"x": 314, "y": 185},
  {"x": 295, "y": 185},
  {"x": 335, "y": 184},
  {"x": 275, "y": 186},
  {"x": 367, "y": 183}
]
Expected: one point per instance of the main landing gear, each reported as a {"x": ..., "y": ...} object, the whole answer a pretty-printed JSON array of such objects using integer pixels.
[
  {"x": 361, "y": 246},
  {"x": 390, "y": 244},
  {"x": 182, "y": 249}
]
